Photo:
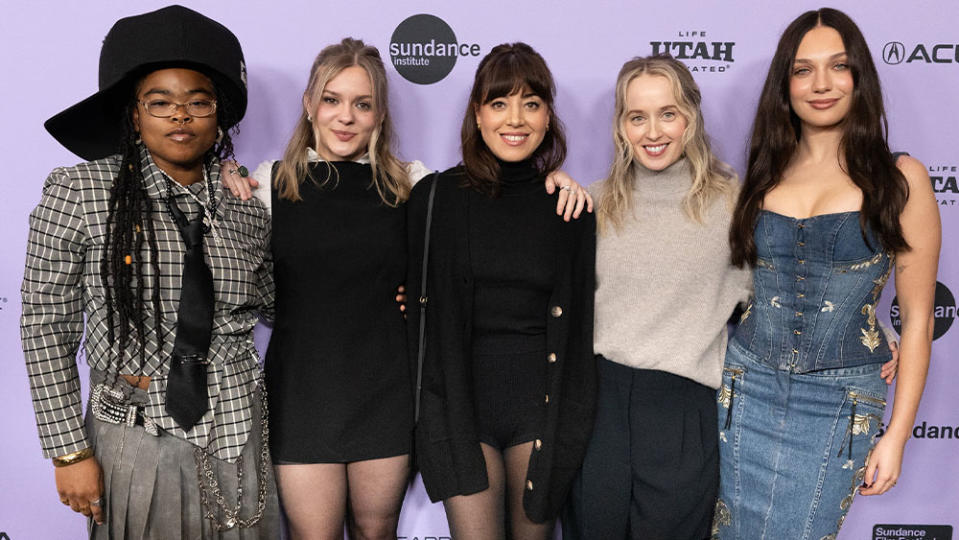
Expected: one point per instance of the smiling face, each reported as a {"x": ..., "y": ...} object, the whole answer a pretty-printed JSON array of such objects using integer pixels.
[
  {"x": 821, "y": 84},
  {"x": 178, "y": 143},
  {"x": 513, "y": 126},
  {"x": 343, "y": 115},
  {"x": 653, "y": 124}
]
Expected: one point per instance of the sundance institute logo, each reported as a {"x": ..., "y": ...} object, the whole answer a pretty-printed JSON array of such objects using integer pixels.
[
  {"x": 424, "y": 49},
  {"x": 944, "y": 312}
]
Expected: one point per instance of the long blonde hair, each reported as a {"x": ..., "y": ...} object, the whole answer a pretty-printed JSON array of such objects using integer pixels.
[
  {"x": 711, "y": 177},
  {"x": 389, "y": 173}
]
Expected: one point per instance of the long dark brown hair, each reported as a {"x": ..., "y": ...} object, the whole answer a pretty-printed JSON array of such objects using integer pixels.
[
  {"x": 864, "y": 149},
  {"x": 507, "y": 69},
  {"x": 130, "y": 225}
]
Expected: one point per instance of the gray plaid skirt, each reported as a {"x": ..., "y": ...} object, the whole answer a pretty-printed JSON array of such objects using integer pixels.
[{"x": 152, "y": 490}]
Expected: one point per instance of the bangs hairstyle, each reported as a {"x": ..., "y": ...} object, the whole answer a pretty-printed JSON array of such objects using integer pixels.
[
  {"x": 507, "y": 69},
  {"x": 389, "y": 173},
  {"x": 711, "y": 177},
  {"x": 863, "y": 150}
]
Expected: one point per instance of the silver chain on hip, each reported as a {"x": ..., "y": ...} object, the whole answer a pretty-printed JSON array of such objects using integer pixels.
[{"x": 210, "y": 486}]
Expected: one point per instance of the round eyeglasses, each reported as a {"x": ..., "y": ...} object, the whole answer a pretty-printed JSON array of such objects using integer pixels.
[{"x": 162, "y": 108}]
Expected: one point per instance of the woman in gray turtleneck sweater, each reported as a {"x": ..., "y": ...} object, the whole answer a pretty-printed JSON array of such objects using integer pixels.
[{"x": 664, "y": 291}]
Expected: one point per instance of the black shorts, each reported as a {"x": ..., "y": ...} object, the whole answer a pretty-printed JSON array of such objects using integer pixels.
[{"x": 509, "y": 387}]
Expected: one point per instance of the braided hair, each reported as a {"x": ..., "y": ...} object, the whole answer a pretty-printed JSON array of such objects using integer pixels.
[{"x": 130, "y": 225}]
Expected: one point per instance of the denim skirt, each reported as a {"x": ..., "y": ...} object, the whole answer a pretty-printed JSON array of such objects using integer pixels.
[{"x": 793, "y": 447}]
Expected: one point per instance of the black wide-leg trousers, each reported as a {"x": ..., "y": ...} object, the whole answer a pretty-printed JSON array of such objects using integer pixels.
[{"x": 652, "y": 466}]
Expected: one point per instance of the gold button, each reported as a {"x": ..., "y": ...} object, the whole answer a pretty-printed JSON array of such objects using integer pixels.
[
  {"x": 800, "y": 278},
  {"x": 802, "y": 261},
  {"x": 547, "y": 398},
  {"x": 799, "y": 313},
  {"x": 797, "y": 332},
  {"x": 556, "y": 311},
  {"x": 529, "y": 485},
  {"x": 538, "y": 444},
  {"x": 801, "y": 226},
  {"x": 551, "y": 358},
  {"x": 801, "y": 295},
  {"x": 800, "y": 244}
]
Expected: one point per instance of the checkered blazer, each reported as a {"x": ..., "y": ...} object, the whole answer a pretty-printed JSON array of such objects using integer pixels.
[{"x": 62, "y": 287}]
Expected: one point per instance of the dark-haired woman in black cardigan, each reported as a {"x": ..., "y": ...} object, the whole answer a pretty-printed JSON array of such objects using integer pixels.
[{"x": 508, "y": 377}]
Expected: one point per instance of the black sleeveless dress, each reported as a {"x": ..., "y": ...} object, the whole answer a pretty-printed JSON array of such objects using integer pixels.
[{"x": 336, "y": 368}]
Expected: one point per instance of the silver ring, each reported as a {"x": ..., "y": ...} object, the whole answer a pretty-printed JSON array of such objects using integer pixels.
[
  {"x": 567, "y": 188},
  {"x": 231, "y": 171},
  {"x": 97, "y": 502}
]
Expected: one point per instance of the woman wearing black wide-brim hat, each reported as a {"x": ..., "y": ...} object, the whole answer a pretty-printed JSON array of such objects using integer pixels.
[{"x": 139, "y": 256}]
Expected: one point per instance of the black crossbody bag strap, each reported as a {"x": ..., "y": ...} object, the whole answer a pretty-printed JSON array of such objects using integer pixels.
[{"x": 423, "y": 299}]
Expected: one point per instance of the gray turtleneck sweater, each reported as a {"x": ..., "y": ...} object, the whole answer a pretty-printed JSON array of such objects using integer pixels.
[{"x": 664, "y": 285}]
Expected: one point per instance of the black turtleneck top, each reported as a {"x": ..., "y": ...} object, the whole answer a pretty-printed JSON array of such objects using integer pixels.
[{"x": 512, "y": 254}]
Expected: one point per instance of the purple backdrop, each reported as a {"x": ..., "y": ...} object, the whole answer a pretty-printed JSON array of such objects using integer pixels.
[{"x": 50, "y": 62}]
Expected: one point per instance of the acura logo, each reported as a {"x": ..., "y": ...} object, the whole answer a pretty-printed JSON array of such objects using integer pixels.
[{"x": 894, "y": 52}]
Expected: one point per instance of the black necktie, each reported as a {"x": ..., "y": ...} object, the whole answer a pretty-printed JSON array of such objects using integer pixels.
[{"x": 186, "y": 394}]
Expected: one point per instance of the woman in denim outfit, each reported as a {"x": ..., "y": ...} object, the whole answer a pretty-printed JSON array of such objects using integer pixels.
[{"x": 825, "y": 214}]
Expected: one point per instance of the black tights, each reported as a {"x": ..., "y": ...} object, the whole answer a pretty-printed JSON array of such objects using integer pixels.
[{"x": 483, "y": 515}]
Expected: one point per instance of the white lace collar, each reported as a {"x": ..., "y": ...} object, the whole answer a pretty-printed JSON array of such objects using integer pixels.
[{"x": 312, "y": 156}]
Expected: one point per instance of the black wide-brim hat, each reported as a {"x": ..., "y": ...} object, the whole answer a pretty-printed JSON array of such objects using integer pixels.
[{"x": 174, "y": 36}]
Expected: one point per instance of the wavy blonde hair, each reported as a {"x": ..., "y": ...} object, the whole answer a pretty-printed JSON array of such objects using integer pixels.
[
  {"x": 389, "y": 173},
  {"x": 711, "y": 177}
]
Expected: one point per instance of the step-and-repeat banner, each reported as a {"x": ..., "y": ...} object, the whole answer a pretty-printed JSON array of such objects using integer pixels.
[{"x": 431, "y": 49}]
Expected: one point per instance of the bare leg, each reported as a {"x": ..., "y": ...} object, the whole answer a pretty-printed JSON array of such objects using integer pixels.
[
  {"x": 480, "y": 516},
  {"x": 314, "y": 497},
  {"x": 521, "y": 527},
  {"x": 376, "y": 490}
]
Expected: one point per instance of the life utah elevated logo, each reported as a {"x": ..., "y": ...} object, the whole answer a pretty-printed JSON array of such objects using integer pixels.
[
  {"x": 424, "y": 49},
  {"x": 700, "y": 50},
  {"x": 944, "y": 176}
]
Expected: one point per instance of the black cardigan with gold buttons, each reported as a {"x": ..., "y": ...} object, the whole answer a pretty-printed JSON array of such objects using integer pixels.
[{"x": 447, "y": 445}]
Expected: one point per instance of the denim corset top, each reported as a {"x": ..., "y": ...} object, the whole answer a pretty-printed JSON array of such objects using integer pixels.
[{"x": 817, "y": 285}]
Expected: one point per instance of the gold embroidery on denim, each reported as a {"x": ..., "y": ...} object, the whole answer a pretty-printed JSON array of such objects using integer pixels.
[
  {"x": 857, "y": 480},
  {"x": 725, "y": 392},
  {"x": 861, "y": 424},
  {"x": 870, "y": 337},
  {"x": 829, "y": 306},
  {"x": 724, "y": 395},
  {"x": 866, "y": 264},
  {"x": 765, "y": 264},
  {"x": 774, "y": 302},
  {"x": 880, "y": 282},
  {"x": 721, "y": 517},
  {"x": 746, "y": 314}
]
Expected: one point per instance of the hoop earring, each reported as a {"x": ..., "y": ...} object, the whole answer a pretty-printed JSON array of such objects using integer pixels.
[{"x": 309, "y": 118}]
